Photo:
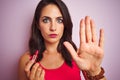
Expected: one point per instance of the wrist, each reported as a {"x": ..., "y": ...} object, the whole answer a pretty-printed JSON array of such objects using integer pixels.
[
  {"x": 95, "y": 72},
  {"x": 94, "y": 75}
]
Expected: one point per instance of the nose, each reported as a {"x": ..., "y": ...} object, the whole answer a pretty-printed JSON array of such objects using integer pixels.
[{"x": 53, "y": 26}]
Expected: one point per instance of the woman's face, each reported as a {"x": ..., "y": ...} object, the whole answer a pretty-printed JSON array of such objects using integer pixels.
[{"x": 51, "y": 24}]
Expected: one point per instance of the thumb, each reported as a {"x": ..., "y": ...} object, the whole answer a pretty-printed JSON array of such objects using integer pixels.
[{"x": 71, "y": 50}]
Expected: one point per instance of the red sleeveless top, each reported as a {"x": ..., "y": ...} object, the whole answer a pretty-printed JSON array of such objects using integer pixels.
[{"x": 64, "y": 72}]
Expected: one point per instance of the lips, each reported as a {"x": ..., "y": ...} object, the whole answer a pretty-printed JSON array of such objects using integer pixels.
[{"x": 53, "y": 35}]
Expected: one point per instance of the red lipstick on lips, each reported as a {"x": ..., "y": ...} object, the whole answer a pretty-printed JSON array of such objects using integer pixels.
[{"x": 53, "y": 35}]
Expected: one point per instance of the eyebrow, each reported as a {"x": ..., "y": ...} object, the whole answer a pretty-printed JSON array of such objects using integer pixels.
[
  {"x": 60, "y": 17},
  {"x": 50, "y": 17}
]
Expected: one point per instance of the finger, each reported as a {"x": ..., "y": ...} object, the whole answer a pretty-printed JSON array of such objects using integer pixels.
[
  {"x": 87, "y": 29},
  {"x": 71, "y": 50},
  {"x": 29, "y": 65},
  {"x": 27, "y": 68},
  {"x": 38, "y": 73},
  {"x": 101, "y": 39},
  {"x": 42, "y": 74},
  {"x": 93, "y": 30},
  {"x": 33, "y": 70},
  {"x": 82, "y": 31},
  {"x": 32, "y": 60},
  {"x": 35, "y": 55}
]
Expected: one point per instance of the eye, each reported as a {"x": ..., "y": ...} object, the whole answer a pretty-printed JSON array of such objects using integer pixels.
[
  {"x": 46, "y": 20},
  {"x": 59, "y": 20}
]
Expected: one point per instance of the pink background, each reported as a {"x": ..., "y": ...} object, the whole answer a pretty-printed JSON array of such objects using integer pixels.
[{"x": 16, "y": 17}]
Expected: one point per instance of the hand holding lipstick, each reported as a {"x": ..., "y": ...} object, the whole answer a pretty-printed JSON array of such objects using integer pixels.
[{"x": 33, "y": 70}]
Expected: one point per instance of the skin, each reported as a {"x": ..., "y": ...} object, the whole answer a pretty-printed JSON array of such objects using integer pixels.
[
  {"x": 88, "y": 57},
  {"x": 90, "y": 53},
  {"x": 51, "y": 22}
]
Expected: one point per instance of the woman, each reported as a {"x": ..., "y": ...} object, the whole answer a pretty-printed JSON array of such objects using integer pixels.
[{"x": 53, "y": 55}]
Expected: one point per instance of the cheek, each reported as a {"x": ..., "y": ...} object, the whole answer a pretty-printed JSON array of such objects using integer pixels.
[
  {"x": 61, "y": 30},
  {"x": 42, "y": 30}
]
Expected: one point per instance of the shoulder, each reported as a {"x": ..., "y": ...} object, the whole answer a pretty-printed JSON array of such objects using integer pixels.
[{"x": 25, "y": 57}]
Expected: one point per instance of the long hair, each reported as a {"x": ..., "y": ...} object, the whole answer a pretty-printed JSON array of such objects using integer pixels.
[{"x": 36, "y": 41}]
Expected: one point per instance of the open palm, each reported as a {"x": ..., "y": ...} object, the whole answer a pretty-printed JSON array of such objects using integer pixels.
[{"x": 90, "y": 53}]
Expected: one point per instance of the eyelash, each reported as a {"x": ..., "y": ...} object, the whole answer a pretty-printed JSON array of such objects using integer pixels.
[
  {"x": 45, "y": 20},
  {"x": 59, "y": 20}
]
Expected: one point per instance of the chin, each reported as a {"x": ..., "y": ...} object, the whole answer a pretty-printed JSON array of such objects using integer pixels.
[{"x": 53, "y": 41}]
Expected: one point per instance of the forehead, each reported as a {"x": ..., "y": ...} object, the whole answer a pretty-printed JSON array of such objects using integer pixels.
[{"x": 51, "y": 10}]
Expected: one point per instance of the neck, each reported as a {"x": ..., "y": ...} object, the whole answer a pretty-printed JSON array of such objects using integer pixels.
[{"x": 51, "y": 47}]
